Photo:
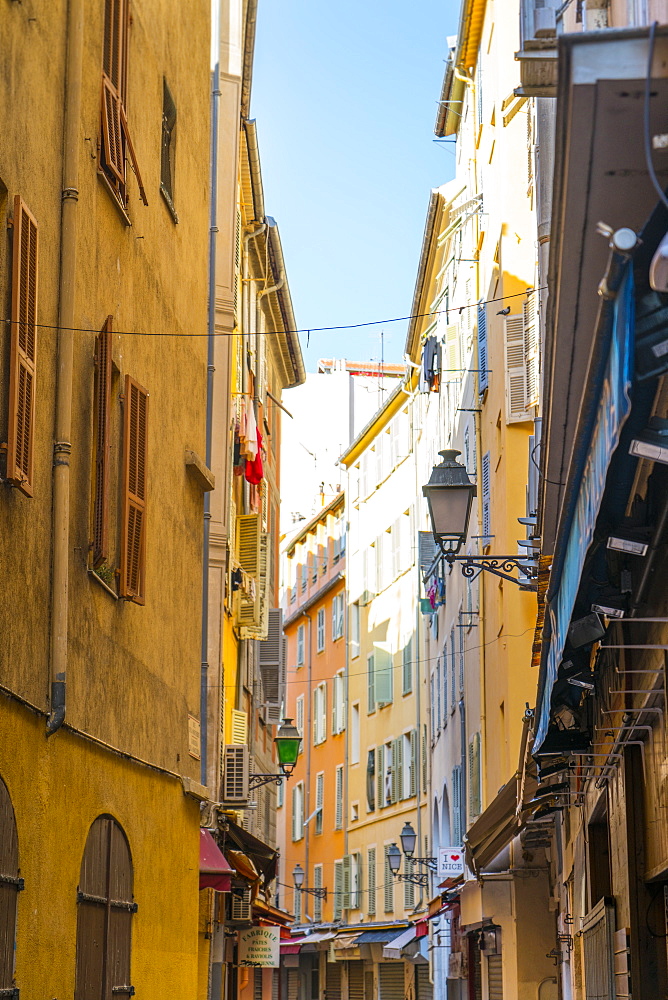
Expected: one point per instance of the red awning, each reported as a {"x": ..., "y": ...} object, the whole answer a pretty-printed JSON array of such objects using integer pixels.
[{"x": 214, "y": 871}]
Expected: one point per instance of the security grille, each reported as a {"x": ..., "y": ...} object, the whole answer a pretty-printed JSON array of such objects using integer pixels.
[
  {"x": 391, "y": 981},
  {"x": 598, "y": 938},
  {"x": 423, "y": 985},
  {"x": 332, "y": 981},
  {"x": 356, "y": 980},
  {"x": 495, "y": 977}
]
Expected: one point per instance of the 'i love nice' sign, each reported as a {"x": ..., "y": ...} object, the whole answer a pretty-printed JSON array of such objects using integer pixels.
[{"x": 450, "y": 862}]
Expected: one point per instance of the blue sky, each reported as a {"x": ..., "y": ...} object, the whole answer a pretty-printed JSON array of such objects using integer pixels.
[{"x": 345, "y": 96}]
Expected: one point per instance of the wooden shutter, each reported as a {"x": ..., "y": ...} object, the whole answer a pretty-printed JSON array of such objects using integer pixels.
[
  {"x": 397, "y": 769},
  {"x": 407, "y": 673},
  {"x": 409, "y": 887},
  {"x": 486, "y": 497},
  {"x": 338, "y": 817},
  {"x": 338, "y": 889},
  {"x": 380, "y": 777},
  {"x": 317, "y": 884},
  {"x": 413, "y": 768},
  {"x": 516, "y": 388},
  {"x": 112, "y": 130},
  {"x": 388, "y": 887},
  {"x": 424, "y": 757},
  {"x": 115, "y": 43},
  {"x": 133, "y": 520},
  {"x": 102, "y": 410},
  {"x": 371, "y": 780},
  {"x": 347, "y": 864},
  {"x": 355, "y": 980},
  {"x": 452, "y": 367},
  {"x": 475, "y": 797},
  {"x": 236, "y": 776},
  {"x": 371, "y": 683},
  {"x": 531, "y": 351},
  {"x": 383, "y": 674},
  {"x": 248, "y": 543},
  {"x": 371, "y": 880},
  {"x": 22, "y": 352},
  {"x": 456, "y": 805},
  {"x": 10, "y": 885}
]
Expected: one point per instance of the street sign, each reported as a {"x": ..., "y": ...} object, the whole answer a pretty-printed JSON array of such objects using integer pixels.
[{"x": 450, "y": 862}]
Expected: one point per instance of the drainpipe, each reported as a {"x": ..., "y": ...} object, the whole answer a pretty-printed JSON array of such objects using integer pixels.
[
  {"x": 210, "y": 369},
  {"x": 308, "y": 740},
  {"x": 418, "y": 672},
  {"x": 66, "y": 295}
]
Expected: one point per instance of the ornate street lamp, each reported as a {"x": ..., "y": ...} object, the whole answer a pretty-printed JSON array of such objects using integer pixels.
[
  {"x": 449, "y": 494},
  {"x": 408, "y": 838},
  {"x": 298, "y": 879},
  {"x": 287, "y": 741}
]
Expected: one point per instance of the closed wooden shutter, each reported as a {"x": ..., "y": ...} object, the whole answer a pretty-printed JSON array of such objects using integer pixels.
[
  {"x": 22, "y": 352},
  {"x": 475, "y": 791},
  {"x": 133, "y": 519},
  {"x": 456, "y": 805},
  {"x": 388, "y": 885},
  {"x": 102, "y": 410},
  {"x": 248, "y": 543},
  {"x": 531, "y": 350},
  {"x": 391, "y": 981},
  {"x": 10, "y": 884},
  {"x": 409, "y": 887},
  {"x": 317, "y": 884},
  {"x": 486, "y": 498},
  {"x": 338, "y": 816},
  {"x": 104, "y": 917},
  {"x": 452, "y": 367},
  {"x": 371, "y": 881},
  {"x": 355, "y": 980},
  {"x": 338, "y": 889},
  {"x": 516, "y": 388},
  {"x": 424, "y": 988},
  {"x": 380, "y": 777},
  {"x": 495, "y": 976},
  {"x": 483, "y": 374},
  {"x": 413, "y": 767},
  {"x": 397, "y": 769},
  {"x": 293, "y": 984},
  {"x": 347, "y": 865},
  {"x": 333, "y": 981}
]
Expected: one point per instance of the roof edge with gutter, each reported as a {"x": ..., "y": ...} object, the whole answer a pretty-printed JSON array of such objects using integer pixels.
[
  {"x": 310, "y": 525},
  {"x": 314, "y": 598},
  {"x": 379, "y": 420},
  {"x": 412, "y": 336},
  {"x": 247, "y": 57},
  {"x": 469, "y": 34}
]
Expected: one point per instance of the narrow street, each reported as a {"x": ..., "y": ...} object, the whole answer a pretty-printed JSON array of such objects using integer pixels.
[{"x": 333, "y": 622}]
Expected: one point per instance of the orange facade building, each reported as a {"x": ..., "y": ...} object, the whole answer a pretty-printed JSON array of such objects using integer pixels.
[{"x": 315, "y": 631}]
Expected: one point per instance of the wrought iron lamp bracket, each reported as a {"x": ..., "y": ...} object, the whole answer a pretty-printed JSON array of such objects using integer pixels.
[
  {"x": 502, "y": 566},
  {"x": 318, "y": 893},
  {"x": 256, "y": 780}
]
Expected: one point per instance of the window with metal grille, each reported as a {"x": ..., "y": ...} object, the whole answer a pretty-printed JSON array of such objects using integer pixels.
[
  {"x": 10, "y": 885},
  {"x": 168, "y": 150},
  {"x": 104, "y": 914}
]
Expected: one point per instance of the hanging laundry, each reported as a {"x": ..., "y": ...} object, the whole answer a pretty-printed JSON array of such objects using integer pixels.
[
  {"x": 249, "y": 447},
  {"x": 254, "y": 470}
]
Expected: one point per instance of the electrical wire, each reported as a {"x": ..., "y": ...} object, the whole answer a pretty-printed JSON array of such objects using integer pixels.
[
  {"x": 646, "y": 116},
  {"x": 272, "y": 333}
]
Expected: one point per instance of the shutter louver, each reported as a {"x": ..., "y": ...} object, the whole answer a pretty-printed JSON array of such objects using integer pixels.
[
  {"x": 239, "y": 726},
  {"x": 452, "y": 353},
  {"x": 371, "y": 862},
  {"x": 112, "y": 130},
  {"x": 412, "y": 774},
  {"x": 483, "y": 374},
  {"x": 102, "y": 407},
  {"x": 22, "y": 358},
  {"x": 428, "y": 550},
  {"x": 235, "y": 779},
  {"x": 388, "y": 887},
  {"x": 271, "y": 657},
  {"x": 380, "y": 777},
  {"x": 486, "y": 498},
  {"x": 397, "y": 769},
  {"x": 338, "y": 889},
  {"x": 516, "y": 388},
  {"x": 346, "y": 882},
  {"x": 240, "y": 907},
  {"x": 531, "y": 351},
  {"x": 383, "y": 674},
  {"x": 133, "y": 531},
  {"x": 475, "y": 796}
]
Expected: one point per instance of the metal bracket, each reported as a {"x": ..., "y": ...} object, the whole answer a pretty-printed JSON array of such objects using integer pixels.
[
  {"x": 18, "y": 883},
  {"x": 417, "y": 878},
  {"x": 318, "y": 893},
  {"x": 256, "y": 780},
  {"x": 473, "y": 566}
]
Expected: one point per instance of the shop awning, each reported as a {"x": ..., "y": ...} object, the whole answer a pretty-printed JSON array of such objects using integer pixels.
[
  {"x": 394, "y": 948},
  {"x": 214, "y": 870},
  {"x": 263, "y": 857},
  {"x": 243, "y": 866},
  {"x": 381, "y": 936},
  {"x": 345, "y": 942},
  {"x": 318, "y": 938},
  {"x": 292, "y": 946},
  {"x": 494, "y": 829}
]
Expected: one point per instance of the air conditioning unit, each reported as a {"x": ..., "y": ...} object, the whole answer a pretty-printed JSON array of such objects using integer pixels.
[
  {"x": 240, "y": 906},
  {"x": 236, "y": 774}
]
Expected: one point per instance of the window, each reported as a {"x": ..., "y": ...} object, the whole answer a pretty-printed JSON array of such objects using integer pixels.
[
  {"x": 10, "y": 885},
  {"x": 133, "y": 510},
  {"x": 388, "y": 896},
  {"x": 337, "y": 616},
  {"x": 313, "y": 559},
  {"x": 168, "y": 151},
  {"x": 320, "y": 714},
  {"x": 317, "y": 884},
  {"x": 300, "y": 646},
  {"x": 319, "y": 800},
  {"x": 355, "y": 881},
  {"x": 339, "y": 709},
  {"x": 371, "y": 780},
  {"x": 298, "y": 811},
  {"x": 338, "y": 816},
  {"x": 354, "y": 631},
  {"x": 321, "y": 630},
  {"x": 370, "y": 684},
  {"x": 299, "y": 721},
  {"x": 304, "y": 576},
  {"x": 355, "y": 734},
  {"x": 104, "y": 913},
  {"x": 371, "y": 881},
  {"x": 407, "y": 673},
  {"x": 116, "y": 145},
  {"x": 22, "y": 339},
  {"x": 384, "y": 670}
]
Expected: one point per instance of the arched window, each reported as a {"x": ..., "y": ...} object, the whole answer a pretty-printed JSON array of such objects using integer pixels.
[
  {"x": 104, "y": 918},
  {"x": 10, "y": 885}
]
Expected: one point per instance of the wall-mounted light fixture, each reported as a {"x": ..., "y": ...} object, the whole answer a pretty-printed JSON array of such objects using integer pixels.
[{"x": 287, "y": 742}]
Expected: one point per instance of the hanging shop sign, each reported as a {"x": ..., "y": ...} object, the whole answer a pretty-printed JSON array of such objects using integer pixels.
[
  {"x": 260, "y": 947},
  {"x": 450, "y": 862}
]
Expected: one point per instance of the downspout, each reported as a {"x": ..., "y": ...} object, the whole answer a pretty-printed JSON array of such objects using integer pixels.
[
  {"x": 308, "y": 740},
  {"x": 66, "y": 321},
  {"x": 273, "y": 288},
  {"x": 210, "y": 369},
  {"x": 418, "y": 672}
]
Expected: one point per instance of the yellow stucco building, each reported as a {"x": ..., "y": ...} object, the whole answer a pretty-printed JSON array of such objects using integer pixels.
[{"x": 104, "y": 160}]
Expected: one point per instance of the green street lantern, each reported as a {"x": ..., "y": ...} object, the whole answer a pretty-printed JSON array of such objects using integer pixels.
[
  {"x": 287, "y": 742},
  {"x": 449, "y": 494}
]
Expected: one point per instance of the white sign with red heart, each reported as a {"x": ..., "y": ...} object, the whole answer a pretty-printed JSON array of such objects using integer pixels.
[{"x": 450, "y": 862}]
